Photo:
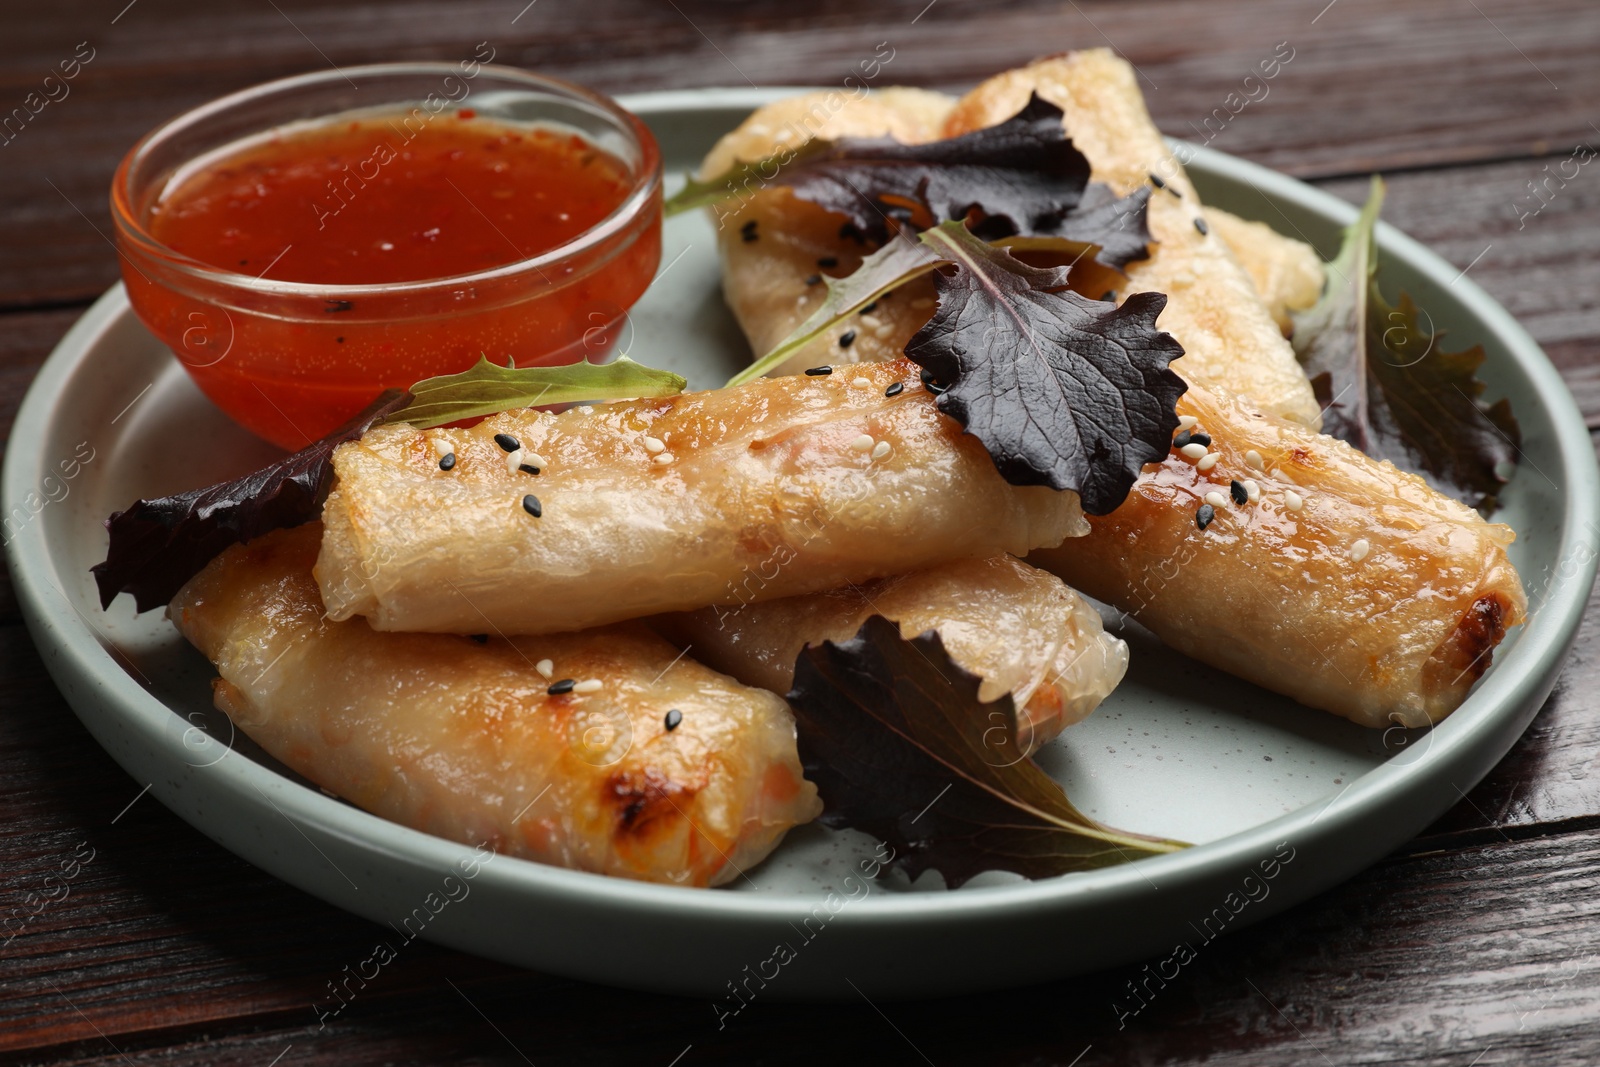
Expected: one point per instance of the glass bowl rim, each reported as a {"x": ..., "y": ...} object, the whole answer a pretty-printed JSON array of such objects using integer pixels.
[{"x": 645, "y": 188}]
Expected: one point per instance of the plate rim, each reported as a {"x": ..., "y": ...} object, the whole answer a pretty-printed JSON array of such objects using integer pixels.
[{"x": 1522, "y": 676}]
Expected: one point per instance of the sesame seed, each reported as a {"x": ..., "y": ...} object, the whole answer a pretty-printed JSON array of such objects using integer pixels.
[
  {"x": 482, "y": 639},
  {"x": 1174, "y": 192},
  {"x": 513, "y": 461},
  {"x": 1181, "y": 441},
  {"x": 443, "y": 446},
  {"x": 1203, "y": 517},
  {"x": 1187, "y": 422},
  {"x": 531, "y": 505},
  {"x": 546, "y": 668},
  {"x": 538, "y": 460},
  {"x": 589, "y": 685},
  {"x": 863, "y": 443},
  {"x": 1252, "y": 491},
  {"x": 849, "y": 230},
  {"x": 562, "y": 687},
  {"x": 527, "y": 468},
  {"x": 1240, "y": 494},
  {"x": 895, "y": 389},
  {"x": 817, "y": 372},
  {"x": 506, "y": 442},
  {"x": 447, "y": 461},
  {"x": 1253, "y": 459},
  {"x": 814, "y": 279},
  {"x": 847, "y": 339},
  {"x": 861, "y": 383},
  {"x": 1200, "y": 224},
  {"x": 1194, "y": 451},
  {"x": 871, "y": 322},
  {"x": 880, "y": 449},
  {"x": 870, "y": 308},
  {"x": 1216, "y": 500},
  {"x": 663, "y": 459},
  {"x": 674, "y": 717},
  {"x": 1200, "y": 438},
  {"x": 1359, "y": 550},
  {"x": 1207, "y": 461},
  {"x": 827, "y": 262},
  {"x": 1292, "y": 501},
  {"x": 748, "y": 227},
  {"x": 654, "y": 444},
  {"x": 1155, "y": 180}
]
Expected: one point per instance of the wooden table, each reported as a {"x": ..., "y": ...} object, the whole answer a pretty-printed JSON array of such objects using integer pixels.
[{"x": 1476, "y": 944}]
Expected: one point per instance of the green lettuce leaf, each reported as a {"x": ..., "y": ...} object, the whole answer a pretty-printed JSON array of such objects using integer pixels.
[{"x": 487, "y": 389}]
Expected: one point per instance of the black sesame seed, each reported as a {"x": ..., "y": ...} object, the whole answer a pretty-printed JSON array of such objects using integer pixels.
[
  {"x": 1182, "y": 439},
  {"x": 828, "y": 261},
  {"x": 849, "y": 230},
  {"x": 814, "y": 279},
  {"x": 847, "y": 339},
  {"x": 895, "y": 390},
  {"x": 1203, "y": 517},
  {"x": 1155, "y": 180},
  {"x": 447, "y": 461},
  {"x": 1238, "y": 492},
  {"x": 506, "y": 442},
  {"x": 1110, "y": 296},
  {"x": 562, "y": 687},
  {"x": 930, "y": 384},
  {"x": 1200, "y": 438},
  {"x": 1200, "y": 224},
  {"x": 527, "y": 468},
  {"x": 338, "y": 340},
  {"x": 482, "y": 639},
  {"x": 335, "y": 306},
  {"x": 817, "y": 372},
  {"x": 749, "y": 235},
  {"x": 869, "y": 308},
  {"x": 531, "y": 505},
  {"x": 1176, "y": 195},
  {"x": 674, "y": 717},
  {"x": 748, "y": 227}
]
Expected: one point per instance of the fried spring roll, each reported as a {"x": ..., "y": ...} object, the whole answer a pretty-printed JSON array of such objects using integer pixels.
[
  {"x": 778, "y": 487},
  {"x": 1346, "y": 584},
  {"x": 1229, "y": 339},
  {"x": 463, "y": 740},
  {"x": 1020, "y": 629},
  {"x": 1287, "y": 274}
]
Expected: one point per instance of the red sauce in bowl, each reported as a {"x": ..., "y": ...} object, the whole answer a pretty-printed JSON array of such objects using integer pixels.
[
  {"x": 299, "y": 272},
  {"x": 356, "y": 203}
]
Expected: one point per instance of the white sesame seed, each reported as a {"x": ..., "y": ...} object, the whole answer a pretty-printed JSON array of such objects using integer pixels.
[
  {"x": 1359, "y": 550},
  {"x": 1292, "y": 501},
  {"x": 1193, "y": 451},
  {"x": 442, "y": 446},
  {"x": 654, "y": 444},
  {"x": 513, "y": 461},
  {"x": 880, "y": 450},
  {"x": 1252, "y": 491},
  {"x": 1217, "y": 500},
  {"x": 861, "y": 383},
  {"x": 1253, "y": 460},
  {"x": 1208, "y": 461},
  {"x": 871, "y": 322},
  {"x": 1187, "y": 422},
  {"x": 546, "y": 669},
  {"x": 863, "y": 443},
  {"x": 538, "y": 460},
  {"x": 664, "y": 458},
  {"x": 589, "y": 685}
]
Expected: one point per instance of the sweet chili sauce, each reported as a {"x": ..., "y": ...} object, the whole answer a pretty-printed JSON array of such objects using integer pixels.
[{"x": 376, "y": 202}]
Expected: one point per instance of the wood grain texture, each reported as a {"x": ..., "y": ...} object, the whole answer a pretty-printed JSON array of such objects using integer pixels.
[{"x": 1372, "y": 84}]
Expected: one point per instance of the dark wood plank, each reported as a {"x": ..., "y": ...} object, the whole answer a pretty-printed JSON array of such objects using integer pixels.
[
  {"x": 1485, "y": 956},
  {"x": 1372, "y": 84}
]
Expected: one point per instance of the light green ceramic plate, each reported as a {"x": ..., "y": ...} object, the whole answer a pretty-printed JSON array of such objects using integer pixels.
[{"x": 1178, "y": 751}]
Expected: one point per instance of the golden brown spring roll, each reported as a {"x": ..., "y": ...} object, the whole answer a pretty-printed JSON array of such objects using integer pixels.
[
  {"x": 1342, "y": 582},
  {"x": 653, "y": 767},
  {"x": 778, "y": 487},
  {"x": 1287, "y": 274},
  {"x": 1228, "y": 337},
  {"x": 1020, "y": 629}
]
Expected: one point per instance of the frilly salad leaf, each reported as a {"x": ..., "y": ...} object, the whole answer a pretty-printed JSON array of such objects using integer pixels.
[
  {"x": 1388, "y": 387},
  {"x": 1022, "y": 177},
  {"x": 1062, "y": 390},
  {"x": 158, "y": 545},
  {"x": 899, "y": 745}
]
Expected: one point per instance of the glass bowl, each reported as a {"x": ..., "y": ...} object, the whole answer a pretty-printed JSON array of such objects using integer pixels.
[{"x": 289, "y": 360}]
